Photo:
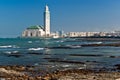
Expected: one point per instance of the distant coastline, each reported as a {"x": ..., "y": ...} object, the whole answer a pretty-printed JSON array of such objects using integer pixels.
[{"x": 97, "y": 37}]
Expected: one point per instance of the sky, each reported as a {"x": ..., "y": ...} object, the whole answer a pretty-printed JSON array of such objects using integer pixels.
[{"x": 67, "y": 15}]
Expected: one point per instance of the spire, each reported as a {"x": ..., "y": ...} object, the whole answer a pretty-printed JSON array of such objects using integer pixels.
[
  {"x": 46, "y": 8},
  {"x": 47, "y": 21}
]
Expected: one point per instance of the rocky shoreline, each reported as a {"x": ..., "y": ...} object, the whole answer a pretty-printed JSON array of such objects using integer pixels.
[{"x": 29, "y": 73}]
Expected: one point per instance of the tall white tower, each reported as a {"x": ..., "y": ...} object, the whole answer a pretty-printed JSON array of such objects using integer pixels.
[{"x": 47, "y": 21}]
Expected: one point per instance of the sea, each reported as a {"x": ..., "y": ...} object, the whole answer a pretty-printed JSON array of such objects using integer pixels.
[{"x": 61, "y": 53}]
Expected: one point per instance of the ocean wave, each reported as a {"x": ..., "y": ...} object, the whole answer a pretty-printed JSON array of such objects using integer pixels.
[
  {"x": 59, "y": 41},
  {"x": 14, "y": 52},
  {"x": 7, "y": 46},
  {"x": 35, "y": 49},
  {"x": 65, "y": 47},
  {"x": 95, "y": 43},
  {"x": 66, "y": 65},
  {"x": 14, "y": 46},
  {"x": 29, "y": 42},
  {"x": 7, "y": 52},
  {"x": 73, "y": 46},
  {"x": 11, "y": 52}
]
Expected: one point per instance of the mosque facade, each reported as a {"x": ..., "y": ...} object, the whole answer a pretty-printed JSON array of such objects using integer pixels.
[{"x": 37, "y": 30}]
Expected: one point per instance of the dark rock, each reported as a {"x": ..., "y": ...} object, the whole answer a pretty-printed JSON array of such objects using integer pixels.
[
  {"x": 92, "y": 55},
  {"x": 97, "y": 45},
  {"x": 64, "y": 47},
  {"x": 112, "y": 56},
  {"x": 67, "y": 61},
  {"x": 17, "y": 55},
  {"x": 35, "y": 53},
  {"x": 117, "y": 66}
]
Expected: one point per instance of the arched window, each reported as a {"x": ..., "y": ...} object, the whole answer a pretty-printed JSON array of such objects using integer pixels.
[
  {"x": 40, "y": 33},
  {"x": 31, "y": 34},
  {"x": 37, "y": 34},
  {"x": 26, "y": 34}
]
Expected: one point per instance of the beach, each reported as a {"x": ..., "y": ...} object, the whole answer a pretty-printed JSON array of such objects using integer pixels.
[{"x": 29, "y": 73}]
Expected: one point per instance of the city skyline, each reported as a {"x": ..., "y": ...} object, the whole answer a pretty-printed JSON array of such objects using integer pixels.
[{"x": 67, "y": 15}]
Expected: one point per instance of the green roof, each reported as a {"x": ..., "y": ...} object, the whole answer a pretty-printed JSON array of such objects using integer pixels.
[{"x": 35, "y": 27}]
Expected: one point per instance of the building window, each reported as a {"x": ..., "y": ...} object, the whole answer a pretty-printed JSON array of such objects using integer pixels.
[
  {"x": 26, "y": 34},
  {"x": 31, "y": 34},
  {"x": 37, "y": 34},
  {"x": 74, "y": 33}
]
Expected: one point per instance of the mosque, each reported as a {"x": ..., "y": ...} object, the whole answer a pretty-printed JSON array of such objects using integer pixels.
[{"x": 37, "y": 30}]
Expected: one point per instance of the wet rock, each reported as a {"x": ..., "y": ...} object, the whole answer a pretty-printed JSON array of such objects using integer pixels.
[
  {"x": 69, "y": 74},
  {"x": 117, "y": 66},
  {"x": 97, "y": 45},
  {"x": 92, "y": 55},
  {"x": 31, "y": 78},
  {"x": 64, "y": 47},
  {"x": 52, "y": 58},
  {"x": 67, "y": 61},
  {"x": 94, "y": 61},
  {"x": 38, "y": 78},
  {"x": 112, "y": 56},
  {"x": 17, "y": 55},
  {"x": 35, "y": 53}
]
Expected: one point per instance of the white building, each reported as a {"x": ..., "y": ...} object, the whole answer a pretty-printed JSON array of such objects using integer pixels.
[
  {"x": 77, "y": 34},
  {"x": 86, "y": 34},
  {"x": 34, "y": 31},
  {"x": 39, "y": 31}
]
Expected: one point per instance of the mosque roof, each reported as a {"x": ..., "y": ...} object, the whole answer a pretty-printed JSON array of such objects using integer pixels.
[{"x": 35, "y": 27}]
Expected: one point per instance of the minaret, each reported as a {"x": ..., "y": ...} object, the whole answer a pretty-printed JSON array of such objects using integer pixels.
[{"x": 47, "y": 21}]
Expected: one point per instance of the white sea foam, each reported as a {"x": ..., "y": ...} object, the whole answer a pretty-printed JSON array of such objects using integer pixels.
[
  {"x": 36, "y": 64},
  {"x": 80, "y": 68},
  {"x": 12, "y": 52},
  {"x": 99, "y": 42},
  {"x": 29, "y": 41},
  {"x": 15, "y": 51},
  {"x": 8, "y": 52},
  {"x": 7, "y": 46},
  {"x": 60, "y": 41},
  {"x": 66, "y": 65},
  {"x": 95, "y": 43},
  {"x": 75, "y": 46},
  {"x": 14, "y": 46},
  {"x": 35, "y": 49}
]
